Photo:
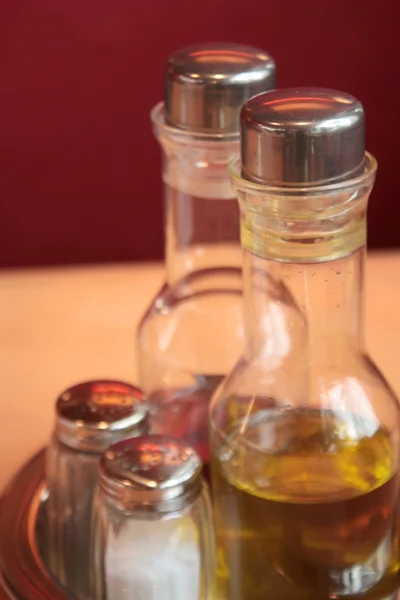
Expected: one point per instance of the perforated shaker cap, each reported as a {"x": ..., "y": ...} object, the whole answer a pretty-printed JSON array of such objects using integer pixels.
[
  {"x": 151, "y": 472},
  {"x": 93, "y": 415}
]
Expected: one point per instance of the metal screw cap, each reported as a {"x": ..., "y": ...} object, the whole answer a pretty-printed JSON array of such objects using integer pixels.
[
  {"x": 302, "y": 135},
  {"x": 206, "y": 85}
]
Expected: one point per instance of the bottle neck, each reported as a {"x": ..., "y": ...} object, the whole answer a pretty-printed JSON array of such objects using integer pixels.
[
  {"x": 314, "y": 310},
  {"x": 304, "y": 252},
  {"x": 201, "y": 210}
]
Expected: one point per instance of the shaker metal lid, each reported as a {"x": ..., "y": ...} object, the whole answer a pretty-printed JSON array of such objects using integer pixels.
[
  {"x": 207, "y": 84},
  {"x": 94, "y": 414},
  {"x": 302, "y": 135},
  {"x": 150, "y": 472}
]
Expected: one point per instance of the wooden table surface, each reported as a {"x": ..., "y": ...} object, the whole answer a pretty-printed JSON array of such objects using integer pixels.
[{"x": 60, "y": 326}]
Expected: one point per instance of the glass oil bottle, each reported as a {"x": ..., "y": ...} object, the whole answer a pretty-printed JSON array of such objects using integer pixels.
[
  {"x": 192, "y": 333},
  {"x": 305, "y": 429}
]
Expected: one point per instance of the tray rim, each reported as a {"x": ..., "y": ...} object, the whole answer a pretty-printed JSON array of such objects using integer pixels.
[{"x": 23, "y": 574}]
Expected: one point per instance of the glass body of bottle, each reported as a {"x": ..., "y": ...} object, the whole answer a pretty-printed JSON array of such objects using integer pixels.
[
  {"x": 191, "y": 335},
  {"x": 305, "y": 429}
]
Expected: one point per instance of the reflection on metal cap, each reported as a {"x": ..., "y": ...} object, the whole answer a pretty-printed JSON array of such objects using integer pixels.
[
  {"x": 206, "y": 85},
  {"x": 94, "y": 414},
  {"x": 303, "y": 135},
  {"x": 151, "y": 472}
]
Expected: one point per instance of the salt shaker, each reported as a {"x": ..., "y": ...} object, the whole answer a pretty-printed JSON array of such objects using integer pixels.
[
  {"x": 153, "y": 535},
  {"x": 89, "y": 418}
]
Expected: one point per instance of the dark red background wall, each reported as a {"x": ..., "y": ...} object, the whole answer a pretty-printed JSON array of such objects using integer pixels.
[{"x": 79, "y": 168}]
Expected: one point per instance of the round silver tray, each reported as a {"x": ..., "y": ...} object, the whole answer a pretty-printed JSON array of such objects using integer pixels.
[
  {"x": 23, "y": 535},
  {"x": 23, "y": 574}
]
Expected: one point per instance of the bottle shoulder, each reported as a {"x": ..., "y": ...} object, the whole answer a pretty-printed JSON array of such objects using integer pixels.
[
  {"x": 204, "y": 297},
  {"x": 356, "y": 386},
  {"x": 191, "y": 329}
]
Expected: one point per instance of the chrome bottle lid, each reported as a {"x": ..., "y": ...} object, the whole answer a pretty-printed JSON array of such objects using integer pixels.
[
  {"x": 304, "y": 135},
  {"x": 206, "y": 85},
  {"x": 93, "y": 415},
  {"x": 152, "y": 473}
]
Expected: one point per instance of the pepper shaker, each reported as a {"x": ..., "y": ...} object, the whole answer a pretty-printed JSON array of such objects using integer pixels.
[
  {"x": 89, "y": 418},
  {"x": 153, "y": 536}
]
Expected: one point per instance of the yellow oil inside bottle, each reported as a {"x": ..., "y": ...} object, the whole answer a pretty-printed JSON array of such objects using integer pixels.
[{"x": 306, "y": 508}]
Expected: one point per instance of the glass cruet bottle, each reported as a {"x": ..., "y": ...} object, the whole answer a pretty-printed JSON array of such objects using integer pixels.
[
  {"x": 191, "y": 335},
  {"x": 305, "y": 429}
]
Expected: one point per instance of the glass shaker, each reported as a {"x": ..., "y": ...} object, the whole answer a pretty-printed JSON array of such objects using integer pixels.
[
  {"x": 191, "y": 334},
  {"x": 153, "y": 536},
  {"x": 89, "y": 418},
  {"x": 305, "y": 429}
]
